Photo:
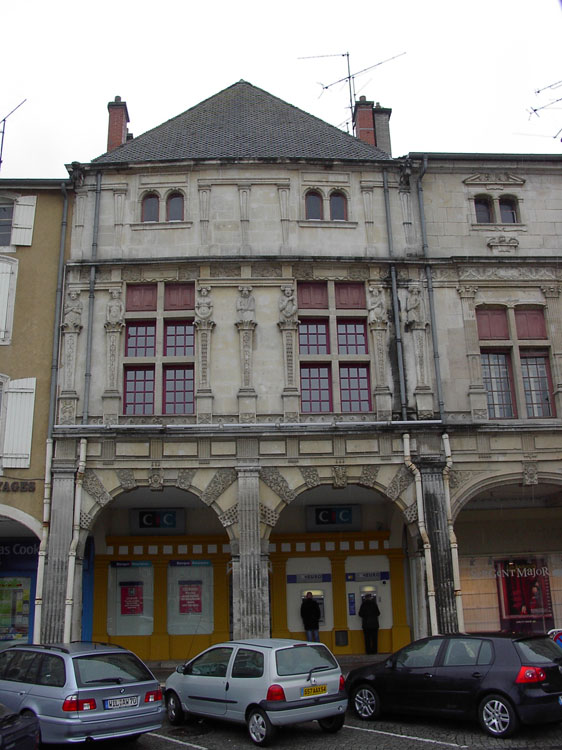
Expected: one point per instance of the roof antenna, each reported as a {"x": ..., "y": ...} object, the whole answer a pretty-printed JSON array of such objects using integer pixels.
[
  {"x": 3, "y": 130},
  {"x": 350, "y": 77}
]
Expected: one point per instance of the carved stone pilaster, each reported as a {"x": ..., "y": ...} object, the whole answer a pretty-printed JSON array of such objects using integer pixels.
[
  {"x": 476, "y": 392},
  {"x": 382, "y": 393},
  {"x": 244, "y": 202},
  {"x": 204, "y": 327},
  {"x": 283, "y": 193},
  {"x": 553, "y": 318},
  {"x": 204, "y": 203},
  {"x": 367, "y": 193},
  {"x": 291, "y": 391}
]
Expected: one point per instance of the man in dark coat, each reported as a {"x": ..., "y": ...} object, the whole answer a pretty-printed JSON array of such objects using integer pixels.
[
  {"x": 369, "y": 613},
  {"x": 310, "y": 613}
]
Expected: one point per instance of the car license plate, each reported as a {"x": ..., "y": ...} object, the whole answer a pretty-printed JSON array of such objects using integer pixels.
[
  {"x": 314, "y": 690},
  {"x": 126, "y": 702}
]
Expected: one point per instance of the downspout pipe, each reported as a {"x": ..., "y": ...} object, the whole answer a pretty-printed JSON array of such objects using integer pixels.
[
  {"x": 71, "y": 570},
  {"x": 424, "y": 535},
  {"x": 395, "y": 306},
  {"x": 429, "y": 279},
  {"x": 47, "y": 486},
  {"x": 91, "y": 298},
  {"x": 452, "y": 536}
]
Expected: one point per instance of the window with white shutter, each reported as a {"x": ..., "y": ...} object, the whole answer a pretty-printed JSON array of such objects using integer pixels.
[
  {"x": 8, "y": 275},
  {"x": 19, "y": 397},
  {"x": 23, "y": 219}
]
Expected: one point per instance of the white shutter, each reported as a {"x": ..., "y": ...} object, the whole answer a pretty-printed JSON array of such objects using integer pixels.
[
  {"x": 20, "y": 400},
  {"x": 5, "y": 277},
  {"x": 23, "y": 218}
]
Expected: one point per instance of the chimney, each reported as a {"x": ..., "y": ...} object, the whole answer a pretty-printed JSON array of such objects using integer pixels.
[
  {"x": 372, "y": 124},
  {"x": 118, "y": 119}
]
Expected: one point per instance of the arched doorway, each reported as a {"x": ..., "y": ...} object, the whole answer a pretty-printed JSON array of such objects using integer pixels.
[
  {"x": 509, "y": 534},
  {"x": 340, "y": 544},
  {"x": 160, "y": 574}
]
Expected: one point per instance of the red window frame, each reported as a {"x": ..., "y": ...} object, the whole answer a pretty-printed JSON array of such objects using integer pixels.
[
  {"x": 141, "y": 297},
  {"x": 178, "y": 389},
  {"x": 497, "y": 375},
  {"x": 140, "y": 338},
  {"x": 492, "y": 323},
  {"x": 174, "y": 207},
  {"x": 179, "y": 296},
  {"x": 138, "y": 390},
  {"x": 355, "y": 388},
  {"x": 530, "y": 323},
  {"x": 537, "y": 383},
  {"x": 150, "y": 208},
  {"x": 314, "y": 336},
  {"x": 312, "y": 295},
  {"x": 179, "y": 338},
  {"x": 314, "y": 206},
  {"x": 338, "y": 206},
  {"x": 316, "y": 388},
  {"x": 352, "y": 336}
]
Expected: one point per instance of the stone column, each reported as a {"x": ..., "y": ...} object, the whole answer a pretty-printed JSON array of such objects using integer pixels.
[
  {"x": 417, "y": 324},
  {"x": 246, "y": 324},
  {"x": 378, "y": 326},
  {"x": 477, "y": 396},
  {"x": 288, "y": 325},
  {"x": 204, "y": 326},
  {"x": 111, "y": 397},
  {"x": 436, "y": 523},
  {"x": 553, "y": 319},
  {"x": 71, "y": 327},
  {"x": 60, "y": 536},
  {"x": 250, "y": 594}
]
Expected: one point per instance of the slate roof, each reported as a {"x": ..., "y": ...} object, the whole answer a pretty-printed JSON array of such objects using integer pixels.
[{"x": 242, "y": 122}]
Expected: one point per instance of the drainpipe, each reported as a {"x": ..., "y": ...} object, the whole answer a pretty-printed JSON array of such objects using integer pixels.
[
  {"x": 452, "y": 536},
  {"x": 51, "y": 420},
  {"x": 424, "y": 535},
  {"x": 429, "y": 279},
  {"x": 69, "y": 603},
  {"x": 89, "y": 333},
  {"x": 395, "y": 308}
]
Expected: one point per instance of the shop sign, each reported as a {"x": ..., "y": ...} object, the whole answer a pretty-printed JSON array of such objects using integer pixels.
[
  {"x": 157, "y": 521},
  {"x": 371, "y": 575},
  {"x": 333, "y": 518},
  {"x": 309, "y": 578},
  {"x": 19, "y": 549},
  {"x": 189, "y": 563}
]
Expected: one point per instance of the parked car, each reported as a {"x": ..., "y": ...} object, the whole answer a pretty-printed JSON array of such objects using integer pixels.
[
  {"x": 502, "y": 680},
  {"x": 263, "y": 683},
  {"x": 81, "y": 691},
  {"x": 18, "y": 731}
]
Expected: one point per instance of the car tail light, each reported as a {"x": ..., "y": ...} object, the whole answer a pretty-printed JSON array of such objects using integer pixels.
[
  {"x": 342, "y": 683},
  {"x": 73, "y": 704},
  {"x": 152, "y": 696},
  {"x": 531, "y": 674},
  {"x": 275, "y": 693}
]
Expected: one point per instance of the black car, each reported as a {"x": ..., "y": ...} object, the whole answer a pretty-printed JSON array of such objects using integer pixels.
[
  {"x": 18, "y": 731},
  {"x": 502, "y": 680}
]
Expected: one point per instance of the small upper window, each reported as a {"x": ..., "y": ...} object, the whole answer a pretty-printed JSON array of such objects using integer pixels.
[
  {"x": 508, "y": 211},
  {"x": 150, "y": 205},
  {"x": 6, "y": 213},
  {"x": 338, "y": 207},
  {"x": 314, "y": 208},
  {"x": 484, "y": 210},
  {"x": 174, "y": 207}
]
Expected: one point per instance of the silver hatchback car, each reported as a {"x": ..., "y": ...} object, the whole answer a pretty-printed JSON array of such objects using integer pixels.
[
  {"x": 81, "y": 691},
  {"x": 263, "y": 683}
]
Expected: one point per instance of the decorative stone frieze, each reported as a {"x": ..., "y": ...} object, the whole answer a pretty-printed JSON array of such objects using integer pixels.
[
  {"x": 310, "y": 475},
  {"x": 185, "y": 478},
  {"x": 95, "y": 488},
  {"x": 126, "y": 479},
  {"x": 369, "y": 475},
  {"x": 400, "y": 482},
  {"x": 273, "y": 478},
  {"x": 156, "y": 479},
  {"x": 339, "y": 477},
  {"x": 220, "y": 482},
  {"x": 530, "y": 473}
]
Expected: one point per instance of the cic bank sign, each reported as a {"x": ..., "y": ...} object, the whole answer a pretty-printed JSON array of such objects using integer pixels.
[
  {"x": 333, "y": 518},
  {"x": 157, "y": 521}
]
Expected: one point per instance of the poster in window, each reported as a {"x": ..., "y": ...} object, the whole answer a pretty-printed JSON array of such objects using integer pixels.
[
  {"x": 190, "y": 597},
  {"x": 524, "y": 594},
  {"x": 131, "y": 597},
  {"x": 14, "y": 609}
]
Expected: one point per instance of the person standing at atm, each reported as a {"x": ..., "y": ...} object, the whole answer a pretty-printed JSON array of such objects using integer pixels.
[
  {"x": 310, "y": 614},
  {"x": 369, "y": 613}
]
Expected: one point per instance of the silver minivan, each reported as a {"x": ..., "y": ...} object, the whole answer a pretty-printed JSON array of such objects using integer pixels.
[
  {"x": 81, "y": 691},
  {"x": 263, "y": 683}
]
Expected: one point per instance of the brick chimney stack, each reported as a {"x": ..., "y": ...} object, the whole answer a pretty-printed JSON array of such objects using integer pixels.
[
  {"x": 372, "y": 124},
  {"x": 118, "y": 119}
]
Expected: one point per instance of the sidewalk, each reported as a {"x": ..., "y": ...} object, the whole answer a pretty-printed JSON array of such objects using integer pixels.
[{"x": 163, "y": 669}]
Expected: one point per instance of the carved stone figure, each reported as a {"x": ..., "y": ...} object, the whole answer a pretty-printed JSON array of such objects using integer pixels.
[
  {"x": 204, "y": 304},
  {"x": 115, "y": 307},
  {"x": 415, "y": 308},
  {"x": 376, "y": 305},
  {"x": 73, "y": 310},
  {"x": 246, "y": 305},
  {"x": 287, "y": 305}
]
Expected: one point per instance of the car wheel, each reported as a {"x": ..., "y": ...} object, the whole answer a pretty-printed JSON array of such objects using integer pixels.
[
  {"x": 259, "y": 727},
  {"x": 365, "y": 701},
  {"x": 332, "y": 724},
  {"x": 173, "y": 708},
  {"x": 497, "y": 716}
]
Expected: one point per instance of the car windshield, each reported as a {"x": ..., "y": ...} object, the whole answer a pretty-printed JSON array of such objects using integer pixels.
[
  {"x": 301, "y": 659},
  {"x": 538, "y": 650},
  {"x": 109, "y": 668}
]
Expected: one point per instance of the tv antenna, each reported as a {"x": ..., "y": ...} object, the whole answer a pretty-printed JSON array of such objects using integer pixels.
[
  {"x": 3, "y": 129},
  {"x": 350, "y": 77}
]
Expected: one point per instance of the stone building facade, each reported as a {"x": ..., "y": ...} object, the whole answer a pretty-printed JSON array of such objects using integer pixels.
[{"x": 291, "y": 362}]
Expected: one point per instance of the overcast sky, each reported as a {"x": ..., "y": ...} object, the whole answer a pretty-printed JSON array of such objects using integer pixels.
[{"x": 466, "y": 82}]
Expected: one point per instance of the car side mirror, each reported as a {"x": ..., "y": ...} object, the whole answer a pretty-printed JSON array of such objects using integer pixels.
[
  {"x": 389, "y": 664},
  {"x": 184, "y": 669}
]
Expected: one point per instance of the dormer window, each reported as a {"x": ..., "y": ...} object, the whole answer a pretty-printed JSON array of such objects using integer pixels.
[
  {"x": 314, "y": 208},
  {"x": 150, "y": 204}
]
